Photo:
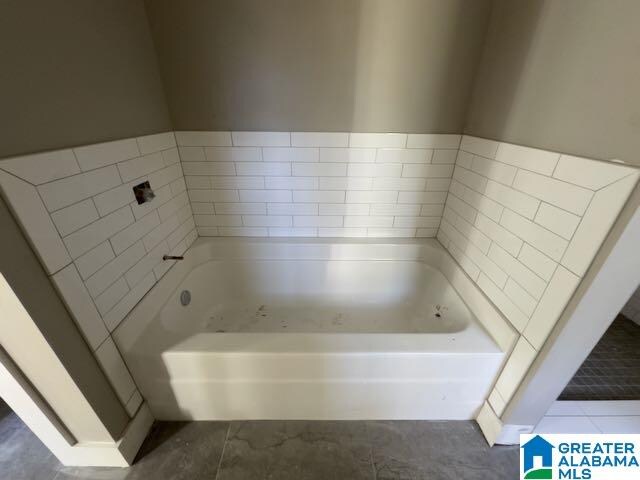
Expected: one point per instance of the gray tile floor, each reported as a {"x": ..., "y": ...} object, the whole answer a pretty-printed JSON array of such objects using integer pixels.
[
  {"x": 612, "y": 369},
  {"x": 280, "y": 450}
]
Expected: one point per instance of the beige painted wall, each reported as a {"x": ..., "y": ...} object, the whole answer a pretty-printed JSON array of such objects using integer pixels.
[
  {"x": 562, "y": 75},
  {"x": 557, "y": 74},
  {"x": 330, "y": 65},
  {"x": 75, "y": 72}
]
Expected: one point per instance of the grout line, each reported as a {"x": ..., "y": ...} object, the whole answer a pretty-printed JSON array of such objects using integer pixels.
[
  {"x": 97, "y": 168},
  {"x": 528, "y": 194},
  {"x": 28, "y": 182},
  {"x": 100, "y": 268},
  {"x": 537, "y": 225},
  {"x": 577, "y": 228},
  {"x": 433, "y": 154},
  {"x": 103, "y": 341},
  {"x": 492, "y": 241},
  {"x": 132, "y": 394},
  {"x": 75, "y": 157},
  {"x": 66, "y": 249},
  {"x": 93, "y": 302},
  {"x": 615, "y": 181},
  {"x": 117, "y": 301},
  {"x": 50, "y": 275},
  {"x": 468, "y": 170},
  {"x": 540, "y": 202},
  {"x": 519, "y": 249},
  {"x": 537, "y": 301},
  {"x": 224, "y": 446},
  {"x": 519, "y": 167},
  {"x": 555, "y": 167},
  {"x": 84, "y": 199},
  {"x": 118, "y": 168},
  {"x": 122, "y": 358}
]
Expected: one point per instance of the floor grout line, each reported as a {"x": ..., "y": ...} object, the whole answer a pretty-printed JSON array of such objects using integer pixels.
[
  {"x": 373, "y": 465},
  {"x": 224, "y": 446},
  {"x": 368, "y": 437}
]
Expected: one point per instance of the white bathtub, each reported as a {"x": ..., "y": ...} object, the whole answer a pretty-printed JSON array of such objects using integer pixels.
[{"x": 314, "y": 329}]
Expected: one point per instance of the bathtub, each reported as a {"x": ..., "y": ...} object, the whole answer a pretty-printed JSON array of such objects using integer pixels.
[{"x": 314, "y": 329}]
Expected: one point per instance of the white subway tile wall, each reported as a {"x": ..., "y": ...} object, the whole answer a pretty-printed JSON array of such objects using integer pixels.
[
  {"x": 317, "y": 183},
  {"x": 525, "y": 225},
  {"x": 103, "y": 250}
]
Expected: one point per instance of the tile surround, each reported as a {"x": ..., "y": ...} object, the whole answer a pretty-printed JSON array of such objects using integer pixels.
[
  {"x": 308, "y": 182},
  {"x": 525, "y": 225},
  {"x": 103, "y": 250}
]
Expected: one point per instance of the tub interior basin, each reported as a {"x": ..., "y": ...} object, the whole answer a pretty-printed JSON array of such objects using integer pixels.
[{"x": 316, "y": 297}]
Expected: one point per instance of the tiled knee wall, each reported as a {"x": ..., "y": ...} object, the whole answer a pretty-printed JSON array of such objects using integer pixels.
[
  {"x": 525, "y": 225},
  {"x": 317, "y": 184},
  {"x": 103, "y": 250}
]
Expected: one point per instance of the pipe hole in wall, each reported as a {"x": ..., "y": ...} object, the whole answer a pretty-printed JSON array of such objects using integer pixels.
[{"x": 185, "y": 298}]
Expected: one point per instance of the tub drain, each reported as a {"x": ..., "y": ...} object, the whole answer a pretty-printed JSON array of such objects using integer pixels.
[
  {"x": 439, "y": 311},
  {"x": 185, "y": 297}
]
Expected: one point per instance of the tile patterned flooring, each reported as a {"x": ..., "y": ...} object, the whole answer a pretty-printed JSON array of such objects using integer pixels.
[
  {"x": 586, "y": 416},
  {"x": 280, "y": 450},
  {"x": 612, "y": 369}
]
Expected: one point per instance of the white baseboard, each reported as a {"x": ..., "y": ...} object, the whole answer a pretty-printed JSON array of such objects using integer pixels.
[
  {"x": 496, "y": 432},
  {"x": 25, "y": 403},
  {"x": 510, "y": 434},
  {"x": 116, "y": 454}
]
